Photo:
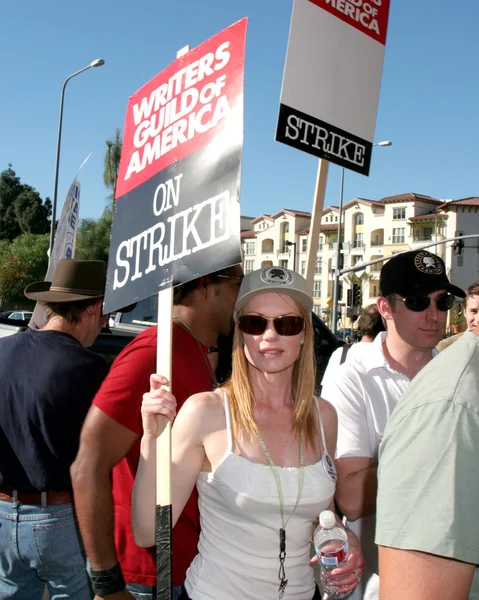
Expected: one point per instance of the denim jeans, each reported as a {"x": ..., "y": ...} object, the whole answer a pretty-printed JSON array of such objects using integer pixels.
[
  {"x": 146, "y": 592},
  {"x": 41, "y": 546}
]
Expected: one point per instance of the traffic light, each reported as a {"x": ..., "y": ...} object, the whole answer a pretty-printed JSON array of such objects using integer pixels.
[
  {"x": 356, "y": 294},
  {"x": 458, "y": 246},
  {"x": 350, "y": 297},
  {"x": 340, "y": 292}
]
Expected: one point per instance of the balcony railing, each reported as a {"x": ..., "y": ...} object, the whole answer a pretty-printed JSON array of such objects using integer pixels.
[
  {"x": 375, "y": 244},
  {"x": 423, "y": 238}
]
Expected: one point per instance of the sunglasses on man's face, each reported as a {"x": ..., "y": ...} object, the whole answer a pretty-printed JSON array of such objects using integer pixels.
[
  {"x": 256, "y": 324},
  {"x": 421, "y": 303}
]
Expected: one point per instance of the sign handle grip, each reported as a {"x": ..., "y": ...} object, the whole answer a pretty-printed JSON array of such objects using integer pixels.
[{"x": 163, "y": 455}]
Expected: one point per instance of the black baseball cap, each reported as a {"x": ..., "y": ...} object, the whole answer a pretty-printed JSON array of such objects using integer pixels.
[{"x": 416, "y": 273}]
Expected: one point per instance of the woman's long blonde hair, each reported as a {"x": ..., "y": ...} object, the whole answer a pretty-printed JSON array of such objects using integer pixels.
[{"x": 241, "y": 394}]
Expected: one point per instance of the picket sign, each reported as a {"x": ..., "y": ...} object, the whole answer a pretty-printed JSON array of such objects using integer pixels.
[{"x": 176, "y": 212}]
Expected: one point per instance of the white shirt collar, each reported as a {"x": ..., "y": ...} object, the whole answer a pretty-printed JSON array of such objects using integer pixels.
[{"x": 375, "y": 358}]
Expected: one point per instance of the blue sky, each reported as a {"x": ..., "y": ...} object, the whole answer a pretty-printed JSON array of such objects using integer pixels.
[{"x": 427, "y": 108}]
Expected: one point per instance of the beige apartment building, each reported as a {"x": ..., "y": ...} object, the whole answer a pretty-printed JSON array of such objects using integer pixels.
[{"x": 371, "y": 229}]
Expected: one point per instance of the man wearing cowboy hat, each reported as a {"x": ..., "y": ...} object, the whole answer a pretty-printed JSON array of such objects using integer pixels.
[{"x": 48, "y": 379}]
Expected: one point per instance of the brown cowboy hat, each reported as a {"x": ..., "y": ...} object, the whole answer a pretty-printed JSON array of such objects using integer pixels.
[{"x": 74, "y": 280}]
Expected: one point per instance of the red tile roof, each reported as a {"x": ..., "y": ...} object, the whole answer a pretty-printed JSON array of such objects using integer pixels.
[
  {"x": 249, "y": 233},
  {"x": 473, "y": 201},
  {"x": 294, "y": 213},
  {"x": 363, "y": 201},
  {"x": 262, "y": 218},
  {"x": 410, "y": 197}
]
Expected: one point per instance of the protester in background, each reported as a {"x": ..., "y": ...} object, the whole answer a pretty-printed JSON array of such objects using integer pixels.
[
  {"x": 258, "y": 452},
  {"x": 370, "y": 324},
  {"x": 48, "y": 379},
  {"x": 471, "y": 315},
  {"x": 110, "y": 440},
  {"x": 415, "y": 297},
  {"x": 428, "y": 514}
]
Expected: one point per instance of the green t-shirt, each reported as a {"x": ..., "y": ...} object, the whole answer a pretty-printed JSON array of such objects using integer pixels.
[{"x": 428, "y": 496}]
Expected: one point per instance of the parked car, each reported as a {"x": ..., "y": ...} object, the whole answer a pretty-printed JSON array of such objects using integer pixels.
[{"x": 20, "y": 315}]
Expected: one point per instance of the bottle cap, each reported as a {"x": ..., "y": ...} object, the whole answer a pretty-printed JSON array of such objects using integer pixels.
[{"x": 327, "y": 519}]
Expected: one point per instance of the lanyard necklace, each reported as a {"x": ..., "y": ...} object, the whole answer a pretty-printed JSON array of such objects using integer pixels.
[
  {"x": 210, "y": 350},
  {"x": 283, "y": 582}
]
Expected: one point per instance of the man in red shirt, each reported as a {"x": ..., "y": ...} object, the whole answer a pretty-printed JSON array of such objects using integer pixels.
[{"x": 110, "y": 440}]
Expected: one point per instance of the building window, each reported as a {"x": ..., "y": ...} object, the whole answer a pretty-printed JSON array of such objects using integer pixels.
[
  {"x": 316, "y": 289},
  {"x": 399, "y": 235},
  {"x": 303, "y": 268},
  {"x": 250, "y": 248},
  {"x": 375, "y": 291},
  {"x": 317, "y": 309},
  {"x": 358, "y": 240},
  {"x": 399, "y": 213},
  {"x": 304, "y": 244},
  {"x": 286, "y": 227},
  {"x": 318, "y": 269},
  {"x": 321, "y": 242},
  {"x": 248, "y": 266},
  {"x": 359, "y": 219},
  {"x": 283, "y": 263}
]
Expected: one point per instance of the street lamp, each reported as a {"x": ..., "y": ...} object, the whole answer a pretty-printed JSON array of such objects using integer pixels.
[
  {"x": 96, "y": 63},
  {"x": 288, "y": 243},
  {"x": 339, "y": 247}
]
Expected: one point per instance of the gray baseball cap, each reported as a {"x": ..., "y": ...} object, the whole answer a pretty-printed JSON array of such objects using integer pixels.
[{"x": 274, "y": 279}]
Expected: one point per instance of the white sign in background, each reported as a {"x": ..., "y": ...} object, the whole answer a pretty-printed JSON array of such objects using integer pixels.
[
  {"x": 63, "y": 245},
  {"x": 333, "y": 75}
]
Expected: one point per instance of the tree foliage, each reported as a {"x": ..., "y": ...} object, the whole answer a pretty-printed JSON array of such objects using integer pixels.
[
  {"x": 112, "y": 162},
  {"x": 22, "y": 261},
  {"x": 21, "y": 208},
  {"x": 93, "y": 238}
]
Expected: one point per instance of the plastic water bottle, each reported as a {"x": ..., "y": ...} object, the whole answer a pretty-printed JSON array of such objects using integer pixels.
[{"x": 332, "y": 549}]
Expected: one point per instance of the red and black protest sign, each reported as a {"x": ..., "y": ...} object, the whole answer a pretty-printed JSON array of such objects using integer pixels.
[{"x": 176, "y": 214}]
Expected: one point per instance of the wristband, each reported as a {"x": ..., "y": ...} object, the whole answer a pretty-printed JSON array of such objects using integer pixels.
[{"x": 107, "y": 581}]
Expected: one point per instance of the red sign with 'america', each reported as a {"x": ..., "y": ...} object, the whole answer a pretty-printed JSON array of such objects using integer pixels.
[
  {"x": 368, "y": 16},
  {"x": 182, "y": 108}
]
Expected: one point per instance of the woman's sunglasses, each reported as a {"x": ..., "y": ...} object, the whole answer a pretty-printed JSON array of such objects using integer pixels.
[
  {"x": 421, "y": 303},
  {"x": 256, "y": 325}
]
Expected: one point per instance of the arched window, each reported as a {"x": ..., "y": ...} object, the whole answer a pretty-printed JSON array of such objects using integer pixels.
[{"x": 359, "y": 219}]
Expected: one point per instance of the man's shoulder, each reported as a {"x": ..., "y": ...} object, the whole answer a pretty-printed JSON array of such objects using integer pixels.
[{"x": 453, "y": 375}]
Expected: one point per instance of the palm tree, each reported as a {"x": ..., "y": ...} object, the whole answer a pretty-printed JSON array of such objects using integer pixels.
[{"x": 112, "y": 163}]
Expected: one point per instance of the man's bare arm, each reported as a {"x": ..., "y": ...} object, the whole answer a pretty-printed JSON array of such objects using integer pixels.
[
  {"x": 103, "y": 443},
  {"x": 421, "y": 576},
  {"x": 357, "y": 486}
]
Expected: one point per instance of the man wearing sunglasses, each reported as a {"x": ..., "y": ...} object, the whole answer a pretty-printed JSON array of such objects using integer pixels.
[{"x": 415, "y": 297}]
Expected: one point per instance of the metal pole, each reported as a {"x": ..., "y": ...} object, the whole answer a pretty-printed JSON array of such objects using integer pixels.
[
  {"x": 339, "y": 257},
  {"x": 57, "y": 162}
]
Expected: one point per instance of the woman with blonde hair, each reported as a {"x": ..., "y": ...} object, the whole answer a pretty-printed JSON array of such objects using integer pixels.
[{"x": 259, "y": 450}]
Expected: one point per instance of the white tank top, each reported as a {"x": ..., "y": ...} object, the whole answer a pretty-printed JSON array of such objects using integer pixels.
[{"x": 240, "y": 520}]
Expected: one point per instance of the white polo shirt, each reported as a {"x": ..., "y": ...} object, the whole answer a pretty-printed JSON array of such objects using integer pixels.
[
  {"x": 365, "y": 392},
  {"x": 335, "y": 359}
]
